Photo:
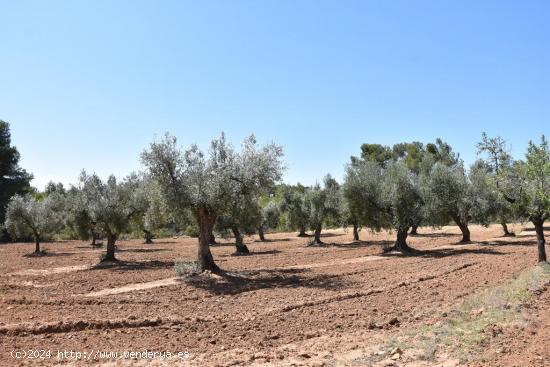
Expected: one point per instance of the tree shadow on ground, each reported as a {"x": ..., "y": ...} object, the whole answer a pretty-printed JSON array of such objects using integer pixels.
[
  {"x": 144, "y": 250},
  {"x": 223, "y": 244},
  {"x": 98, "y": 246},
  {"x": 252, "y": 253},
  {"x": 161, "y": 242},
  {"x": 133, "y": 265},
  {"x": 268, "y": 240},
  {"x": 47, "y": 253},
  {"x": 532, "y": 229},
  {"x": 356, "y": 244},
  {"x": 441, "y": 253},
  {"x": 507, "y": 243},
  {"x": 329, "y": 234},
  {"x": 231, "y": 283},
  {"x": 435, "y": 235}
]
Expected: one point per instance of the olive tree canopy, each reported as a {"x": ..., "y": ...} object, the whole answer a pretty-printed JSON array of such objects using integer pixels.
[
  {"x": 323, "y": 203},
  {"x": 498, "y": 161},
  {"x": 294, "y": 207},
  {"x": 269, "y": 218},
  {"x": 209, "y": 183},
  {"x": 26, "y": 214},
  {"x": 108, "y": 205},
  {"x": 384, "y": 197},
  {"x": 151, "y": 211},
  {"x": 527, "y": 187}
]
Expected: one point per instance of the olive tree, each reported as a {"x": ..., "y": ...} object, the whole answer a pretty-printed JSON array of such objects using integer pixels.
[
  {"x": 209, "y": 183},
  {"x": 400, "y": 201},
  {"x": 269, "y": 218},
  {"x": 294, "y": 207},
  {"x": 77, "y": 216},
  {"x": 450, "y": 195},
  {"x": 384, "y": 197},
  {"x": 109, "y": 205},
  {"x": 40, "y": 217},
  {"x": 242, "y": 217},
  {"x": 445, "y": 194},
  {"x": 148, "y": 202},
  {"x": 417, "y": 157},
  {"x": 527, "y": 187},
  {"x": 323, "y": 203},
  {"x": 350, "y": 217},
  {"x": 498, "y": 160}
]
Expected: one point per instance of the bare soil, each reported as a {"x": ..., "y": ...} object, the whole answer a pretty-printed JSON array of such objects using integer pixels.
[{"x": 285, "y": 304}]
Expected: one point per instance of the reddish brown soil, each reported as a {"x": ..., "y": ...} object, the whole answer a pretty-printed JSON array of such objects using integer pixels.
[{"x": 284, "y": 304}]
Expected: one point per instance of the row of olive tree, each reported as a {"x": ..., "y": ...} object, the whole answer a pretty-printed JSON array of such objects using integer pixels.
[
  {"x": 398, "y": 188},
  {"x": 93, "y": 206}
]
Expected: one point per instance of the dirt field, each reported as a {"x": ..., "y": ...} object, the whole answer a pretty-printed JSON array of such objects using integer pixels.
[{"x": 286, "y": 304}]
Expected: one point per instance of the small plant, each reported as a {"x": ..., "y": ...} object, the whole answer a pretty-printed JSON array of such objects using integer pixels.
[{"x": 185, "y": 268}]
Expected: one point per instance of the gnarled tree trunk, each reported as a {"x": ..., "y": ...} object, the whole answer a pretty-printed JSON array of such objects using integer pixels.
[
  {"x": 261, "y": 233},
  {"x": 464, "y": 229},
  {"x": 414, "y": 230},
  {"x": 317, "y": 237},
  {"x": 239, "y": 244},
  {"x": 205, "y": 261},
  {"x": 148, "y": 236},
  {"x": 355, "y": 232},
  {"x": 505, "y": 230},
  {"x": 401, "y": 240},
  {"x": 302, "y": 232},
  {"x": 541, "y": 242},
  {"x": 111, "y": 240}
]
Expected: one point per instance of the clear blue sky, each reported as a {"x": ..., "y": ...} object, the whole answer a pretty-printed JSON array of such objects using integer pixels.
[{"x": 88, "y": 84}]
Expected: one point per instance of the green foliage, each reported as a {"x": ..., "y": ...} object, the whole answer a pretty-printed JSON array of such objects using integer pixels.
[
  {"x": 107, "y": 204},
  {"x": 13, "y": 179},
  {"x": 498, "y": 162},
  {"x": 445, "y": 194},
  {"x": 323, "y": 203},
  {"x": 400, "y": 196},
  {"x": 244, "y": 215},
  {"x": 270, "y": 214},
  {"x": 362, "y": 192},
  {"x": 411, "y": 154},
  {"x": 527, "y": 183},
  {"x": 293, "y": 205},
  {"x": 25, "y": 214},
  {"x": 382, "y": 197}
]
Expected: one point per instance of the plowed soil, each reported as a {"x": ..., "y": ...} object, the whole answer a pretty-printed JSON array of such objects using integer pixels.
[{"x": 285, "y": 304}]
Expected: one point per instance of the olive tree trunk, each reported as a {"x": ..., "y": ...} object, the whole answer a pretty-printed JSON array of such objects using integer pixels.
[
  {"x": 261, "y": 233},
  {"x": 414, "y": 230},
  {"x": 302, "y": 232},
  {"x": 148, "y": 236},
  {"x": 317, "y": 236},
  {"x": 541, "y": 242},
  {"x": 206, "y": 220},
  {"x": 355, "y": 232},
  {"x": 110, "y": 254},
  {"x": 212, "y": 238},
  {"x": 239, "y": 244},
  {"x": 36, "y": 243},
  {"x": 505, "y": 230},
  {"x": 92, "y": 233},
  {"x": 401, "y": 240},
  {"x": 463, "y": 228}
]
